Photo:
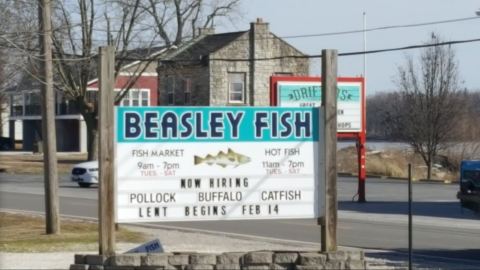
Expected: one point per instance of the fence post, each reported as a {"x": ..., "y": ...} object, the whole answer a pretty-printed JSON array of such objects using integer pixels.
[{"x": 410, "y": 225}]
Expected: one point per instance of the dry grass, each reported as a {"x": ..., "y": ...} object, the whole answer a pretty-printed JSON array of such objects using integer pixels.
[
  {"x": 391, "y": 163},
  {"x": 26, "y": 233},
  {"x": 33, "y": 163}
]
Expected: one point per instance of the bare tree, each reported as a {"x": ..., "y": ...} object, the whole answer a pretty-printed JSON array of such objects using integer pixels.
[
  {"x": 127, "y": 24},
  {"x": 378, "y": 106},
  {"x": 137, "y": 28},
  {"x": 3, "y": 96},
  {"x": 3, "y": 109},
  {"x": 428, "y": 102},
  {"x": 468, "y": 146},
  {"x": 177, "y": 20},
  {"x": 18, "y": 40},
  {"x": 78, "y": 34}
]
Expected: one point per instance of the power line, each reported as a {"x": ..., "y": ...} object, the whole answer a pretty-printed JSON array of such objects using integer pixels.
[
  {"x": 383, "y": 28},
  {"x": 339, "y": 54},
  {"x": 294, "y": 36},
  {"x": 371, "y": 29},
  {"x": 73, "y": 57},
  {"x": 300, "y": 36},
  {"x": 412, "y": 47}
]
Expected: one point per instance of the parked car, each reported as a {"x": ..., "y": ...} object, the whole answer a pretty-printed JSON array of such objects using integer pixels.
[{"x": 85, "y": 174}]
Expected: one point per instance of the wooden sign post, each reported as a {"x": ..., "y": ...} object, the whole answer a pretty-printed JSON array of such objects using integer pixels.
[
  {"x": 329, "y": 101},
  {"x": 106, "y": 194},
  {"x": 52, "y": 206}
]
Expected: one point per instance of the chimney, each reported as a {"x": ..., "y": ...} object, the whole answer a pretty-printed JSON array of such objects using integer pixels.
[
  {"x": 258, "y": 43},
  {"x": 259, "y": 27},
  {"x": 204, "y": 31}
]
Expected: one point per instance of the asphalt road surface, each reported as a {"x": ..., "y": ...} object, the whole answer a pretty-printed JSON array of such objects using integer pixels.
[{"x": 444, "y": 235}]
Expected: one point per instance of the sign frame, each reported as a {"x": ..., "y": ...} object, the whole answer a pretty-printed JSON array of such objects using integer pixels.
[
  {"x": 360, "y": 136},
  {"x": 274, "y": 80},
  {"x": 317, "y": 154}
]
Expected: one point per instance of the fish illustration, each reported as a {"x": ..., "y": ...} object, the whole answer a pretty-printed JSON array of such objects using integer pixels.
[{"x": 223, "y": 159}]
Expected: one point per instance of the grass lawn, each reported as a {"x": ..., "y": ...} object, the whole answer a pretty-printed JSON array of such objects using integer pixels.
[{"x": 26, "y": 233}]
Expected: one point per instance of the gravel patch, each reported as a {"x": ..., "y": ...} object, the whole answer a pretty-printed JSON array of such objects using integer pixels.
[{"x": 172, "y": 241}]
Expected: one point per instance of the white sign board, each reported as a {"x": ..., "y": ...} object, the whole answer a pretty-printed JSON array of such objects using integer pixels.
[
  {"x": 185, "y": 163},
  {"x": 309, "y": 94}
]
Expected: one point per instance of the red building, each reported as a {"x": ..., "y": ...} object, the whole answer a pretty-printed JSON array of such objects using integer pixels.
[{"x": 138, "y": 77}]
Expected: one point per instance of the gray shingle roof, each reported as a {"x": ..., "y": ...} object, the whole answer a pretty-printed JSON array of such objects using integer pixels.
[{"x": 205, "y": 46}]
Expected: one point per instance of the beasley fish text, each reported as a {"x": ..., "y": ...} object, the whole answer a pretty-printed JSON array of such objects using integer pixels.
[{"x": 152, "y": 125}]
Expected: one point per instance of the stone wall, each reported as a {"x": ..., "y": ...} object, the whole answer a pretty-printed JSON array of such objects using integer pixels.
[
  {"x": 210, "y": 78},
  {"x": 258, "y": 43},
  {"x": 197, "y": 74},
  {"x": 219, "y": 70},
  {"x": 268, "y": 260}
]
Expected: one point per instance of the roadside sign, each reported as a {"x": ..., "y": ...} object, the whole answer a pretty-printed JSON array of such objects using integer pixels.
[
  {"x": 217, "y": 163},
  {"x": 153, "y": 246},
  {"x": 299, "y": 94},
  {"x": 298, "y": 91},
  {"x": 295, "y": 92}
]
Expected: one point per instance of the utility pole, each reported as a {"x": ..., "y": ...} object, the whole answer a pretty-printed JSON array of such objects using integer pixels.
[
  {"x": 329, "y": 102},
  {"x": 361, "y": 138},
  {"x": 48, "y": 120}
]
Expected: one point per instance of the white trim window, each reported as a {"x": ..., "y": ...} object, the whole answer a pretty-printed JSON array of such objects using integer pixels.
[
  {"x": 136, "y": 97},
  {"x": 236, "y": 87}
]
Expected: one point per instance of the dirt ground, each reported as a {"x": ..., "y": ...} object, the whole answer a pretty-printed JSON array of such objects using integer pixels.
[
  {"x": 29, "y": 163},
  {"x": 389, "y": 163},
  {"x": 394, "y": 163}
]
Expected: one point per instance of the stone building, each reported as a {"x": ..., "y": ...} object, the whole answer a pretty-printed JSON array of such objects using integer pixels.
[{"x": 228, "y": 69}]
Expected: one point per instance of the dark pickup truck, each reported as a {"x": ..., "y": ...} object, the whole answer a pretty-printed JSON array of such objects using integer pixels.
[{"x": 469, "y": 193}]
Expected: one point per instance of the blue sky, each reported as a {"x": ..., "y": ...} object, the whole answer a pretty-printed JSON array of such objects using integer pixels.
[{"x": 298, "y": 17}]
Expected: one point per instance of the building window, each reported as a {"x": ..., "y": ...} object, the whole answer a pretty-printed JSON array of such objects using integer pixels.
[
  {"x": 283, "y": 74},
  {"x": 236, "y": 87},
  {"x": 178, "y": 90},
  {"x": 170, "y": 89},
  {"x": 135, "y": 97},
  {"x": 16, "y": 105},
  {"x": 92, "y": 96},
  {"x": 32, "y": 103},
  {"x": 186, "y": 89},
  {"x": 144, "y": 95},
  {"x": 126, "y": 99},
  {"x": 68, "y": 107}
]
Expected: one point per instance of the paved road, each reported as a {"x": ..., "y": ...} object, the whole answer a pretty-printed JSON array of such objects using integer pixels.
[{"x": 443, "y": 232}]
